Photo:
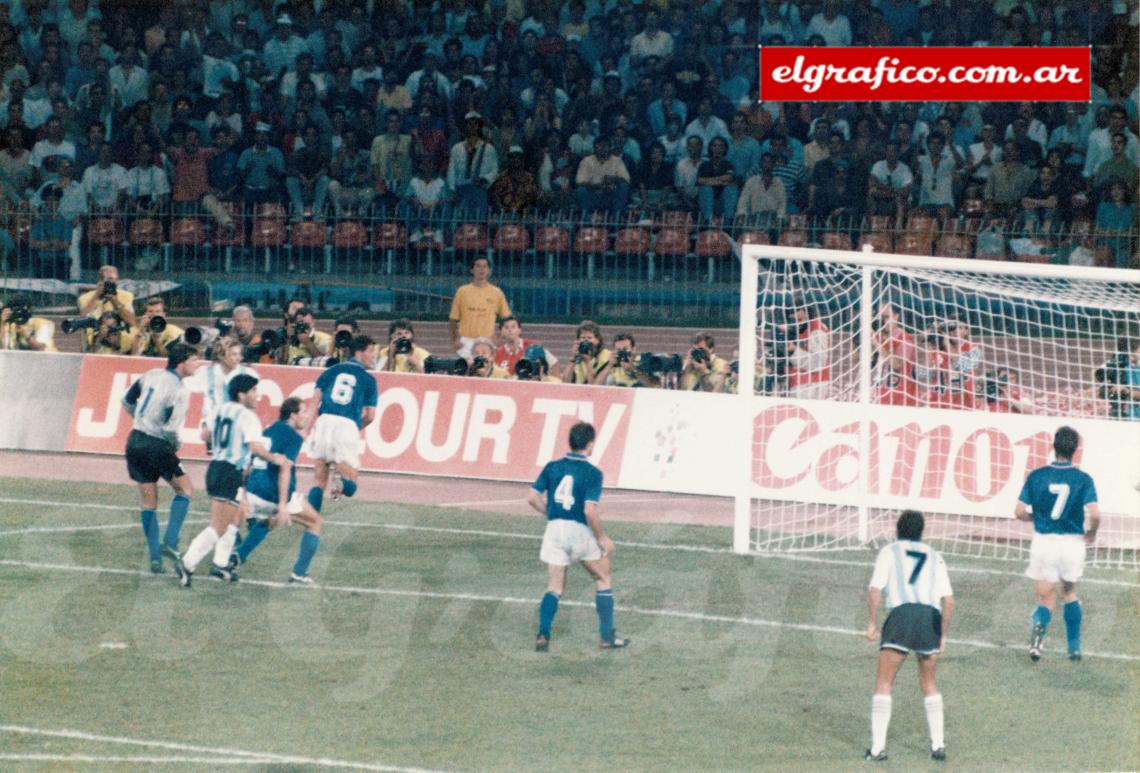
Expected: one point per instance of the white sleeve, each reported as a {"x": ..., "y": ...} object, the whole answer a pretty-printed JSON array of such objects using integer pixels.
[
  {"x": 882, "y": 569},
  {"x": 251, "y": 428},
  {"x": 942, "y": 587}
]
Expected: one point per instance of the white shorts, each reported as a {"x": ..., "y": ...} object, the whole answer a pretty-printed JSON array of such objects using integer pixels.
[
  {"x": 337, "y": 440},
  {"x": 1054, "y": 557},
  {"x": 568, "y": 542},
  {"x": 263, "y": 508}
]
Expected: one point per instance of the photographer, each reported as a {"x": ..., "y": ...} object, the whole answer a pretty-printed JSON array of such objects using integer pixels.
[
  {"x": 533, "y": 366},
  {"x": 625, "y": 369},
  {"x": 402, "y": 354},
  {"x": 1001, "y": 393},
  {"x": 703, "y": 370},
  {"x": 588, "y": 357},
  {"x": 482, "y": 363},
  {"x": 514, "y": 346},
  {"x": 108, "y": 297},
  {"x": 112, "y": 336},
  {"x": 1119, "y": 380},
  {"x": 304, "y": 340},
  {"x": 344, "y": 330},
  {"x": 20, "y": 330},
  {"x": 242, "y": 321},
  {"x": 154, "y": 334},
  {"x": 809, "y": 351},
  {"x": 892, "y": 361}
]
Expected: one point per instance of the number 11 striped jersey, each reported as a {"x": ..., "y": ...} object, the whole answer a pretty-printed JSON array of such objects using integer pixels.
[
  {"x": 912, "y": 573},
  {"x": 234, "y": 428}
]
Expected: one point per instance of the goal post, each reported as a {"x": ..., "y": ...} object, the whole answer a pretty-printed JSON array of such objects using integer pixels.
[{"x": 887, "y": 381}]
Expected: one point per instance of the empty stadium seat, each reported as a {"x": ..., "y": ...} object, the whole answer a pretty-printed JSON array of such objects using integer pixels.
[
  {"x": 307, "y": 234},
  {"x": 631, "y": 241},
  {"x": 879, "y": 241},
  {"x": 833, "y": 240},
  {"x": 755, "y": 237},
  {"x": 349, "y": 235},
  {"x": 712, "y": 245},
  {"x": 676, "y": 219},
  {"x": 187, "y": 232},
  {"x": 511, "y": 238},
  {"x": 146, "y": 232},
  {"x": 913, "y": 244},
  {"x": 955, "y": 245},
  {"x": 469, "y": 237},
  {"x": 591, "y": 240},
  {"x": 104, "y": 231},
  {"x": 794, "y": 239}
]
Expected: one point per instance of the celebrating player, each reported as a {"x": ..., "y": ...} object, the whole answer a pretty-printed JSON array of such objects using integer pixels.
[
  {"x": 345, "y": 396},
  {"x": 918, "y": 590},
  {"x": 235, "y": 437},
  {"x": 1057, "y": 498},
  {"x": 264, "y": 487},
  {"x": 158, "y": 402},
  {"x": 572, "y": 487}
]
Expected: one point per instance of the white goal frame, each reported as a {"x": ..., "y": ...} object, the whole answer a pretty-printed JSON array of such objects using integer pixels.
[{"x": 750, "y": 403}]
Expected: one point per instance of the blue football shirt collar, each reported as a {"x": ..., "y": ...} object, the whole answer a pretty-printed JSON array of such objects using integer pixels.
[
  {"x": 1058, "y": 463},
  {"x": 575, "y": 455}
]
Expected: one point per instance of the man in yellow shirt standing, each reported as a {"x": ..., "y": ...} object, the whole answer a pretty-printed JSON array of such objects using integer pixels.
[{"x": 476, "y": 308}]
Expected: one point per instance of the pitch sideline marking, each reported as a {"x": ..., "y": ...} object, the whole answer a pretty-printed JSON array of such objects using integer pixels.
[
  {"x": 253, "y": 757},
  {"x": 670, "y": 613},
  {"x": 514, "y": 535},
  {"x": 103, "y": 760}
]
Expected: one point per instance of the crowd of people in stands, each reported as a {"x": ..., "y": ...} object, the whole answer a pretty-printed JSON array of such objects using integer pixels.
[{"x": 427, "y": 111}]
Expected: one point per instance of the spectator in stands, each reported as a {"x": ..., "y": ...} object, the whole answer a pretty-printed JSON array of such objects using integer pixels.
[
  {"x": 819, "y": 148},
  {"x": 717, "y": 188},
  {"x": 889, "y": 184},
  {"x": 653, "y": 182},
  {"x": 191, "y": 181},
  {"x": 1071, "y": 137},
  {"x": 703, "y": 369},
  {"x": 424, "y": 205},
  {"x": 556, "y": 172},
  {"x": 54, "y": 144},
  {"x": 263, "y": 167},
  {"x": 763, "y": 202},
  {"x": 581, "y": 142},
  {"x": 686, "y": 171},
  {"x": 281, "y": 51},
  {"x": 788, "y": 169},
  {"x": 809, "y": 364},
  {"x": 831, "y": 25},
  {"x": 472, "y": 167},
  {"x": 1046, "y": 202},
  {"x": 482, "y": 361},
  {"x": 588, "y": 356},
  {"x": 1116, "y": 216},
  {"x": 706, "y": 125},
  {"x": 665, "y": 109},
  {"x": 307, "y": 180},
  {"x": 391, "y": 159},
  {"x": 515, "y": 190},
  {"x": 222, "y": 171},
  {"x": 153, "y": 337},
  {"x": 224, "y": 114},
  {"x": 1008, "y": 182},
  {"x": 936, "y": 171},
  {"x": 351, "y": 185},
  {"x": 624, "y": 369},
  {"x": 602, "y": 181},
  {"x": 303, "y": 73},
  {"x": 651, "y": 41},
  {"x": 16, "y": 172},
  {"x": 1100, "y": 142},
  {"x": 147, "y": 187},
  {"x": 105, "y": 183},
  {"x": 50, "y": 239},
  {"x": 402, "y": 355},
  {"x": 128, "y": 79},
  {"x": 1116, "y": 169},
  {"x": 1030, "y": 150},
  {"x": 984, "y": 155},
  {"x": 393, "y": 95}
]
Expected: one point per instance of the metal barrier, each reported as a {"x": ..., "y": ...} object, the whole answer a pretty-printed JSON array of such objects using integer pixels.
[{"x": 649, "y": 268}]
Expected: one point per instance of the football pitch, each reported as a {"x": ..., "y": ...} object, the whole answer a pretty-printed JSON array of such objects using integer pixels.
[{"x": 416, "y": 651}]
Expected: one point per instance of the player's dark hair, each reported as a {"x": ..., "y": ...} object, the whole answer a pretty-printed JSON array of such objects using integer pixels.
[
  {"x": 359, "y": 344},
  {"x": 625, "y": 337},
  {"x": 290, "y": 406},
  {"x": 910, "y": 525},
  {"x": 178, "y": 353},
  {"x": 581, "y": 435},
  {"x": 398, "y": 324},
  {"x": 1065, "y": 443},
  {"x": 240, "y": 384}
]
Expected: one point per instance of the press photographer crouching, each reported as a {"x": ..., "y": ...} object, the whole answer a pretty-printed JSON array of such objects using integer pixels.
[
  {"x": 154, "y": 333},
  {"x": 107, "y": 334},
  {"x": 1119, "y": 380},
  {"x": 703, "y": 370},
  {"x": 307, "y": 345},
  {"x": 533, "y": 366},
  {"x": 630, "y": 369},
  {"x": 21, "y": 330},
  {"x": 588, "y": 357},
  {"x": 402, "y": 355},
  {"x": 344, "y": 330},
  {"x": 482, "y": 363}
]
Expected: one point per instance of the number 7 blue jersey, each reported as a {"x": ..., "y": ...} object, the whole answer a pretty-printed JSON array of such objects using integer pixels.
[
  {"x": 1058, "y": 493},
  {"x": 569, "y": 483},
  {"x": 346, "y": 390}
]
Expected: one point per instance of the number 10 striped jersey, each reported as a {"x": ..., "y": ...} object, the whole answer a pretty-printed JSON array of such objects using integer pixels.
[{"x": 234, "y": 428}]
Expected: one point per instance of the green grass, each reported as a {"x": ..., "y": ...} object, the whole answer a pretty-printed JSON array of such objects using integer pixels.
[{"x": 431, "y": 677}]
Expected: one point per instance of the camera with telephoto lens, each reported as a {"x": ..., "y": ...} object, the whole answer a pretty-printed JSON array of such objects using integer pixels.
[
  {"x": 224, "y": 328},
  {"x": 623, "y": 355},
  {"x": 270, "y": 340},
  {"x": 69, "y": 326},
  {"x": 479, "y": 363},
  {"x": 20, "y": 315},
  {"x": 454, "y": 366},
  {"x": 158, "y": 324},
  {"x": 700, "y": 354},
  {"x": 403, "y": 345},
  {"x": 585, "y": 349},
  {"x": 315, "y": 362},
  {"x": 342, "y": 339},
  {"x": 530, "y": 369},
  {"x": 659, "y": 364},
  {"x": 109, "y": 289}
]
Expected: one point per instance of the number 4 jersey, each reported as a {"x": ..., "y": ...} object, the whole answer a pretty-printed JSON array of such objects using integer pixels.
[
  {"x": 346, "y": 390},
  {"x": 1057, "y": 494},
  {"x": 912, "y": 573},
  {"x": 569, "y": 483}
]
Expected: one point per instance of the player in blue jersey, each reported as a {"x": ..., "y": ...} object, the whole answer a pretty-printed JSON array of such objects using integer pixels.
[
  {"x": 235, "y": 439},
  {"x": 263, "y": 494},
  {"x": 917, "y": 587},
  {"x": 345, "y": 396},
  {"x": 1061, "y": 501},
  {"x": 567, "y": 493}
]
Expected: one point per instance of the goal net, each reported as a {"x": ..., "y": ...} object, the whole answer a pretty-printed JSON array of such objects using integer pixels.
[{"x": 885, "y": 382}]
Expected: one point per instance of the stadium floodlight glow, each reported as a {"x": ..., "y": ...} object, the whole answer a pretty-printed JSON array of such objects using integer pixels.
[{"x": 992, "y": 358}]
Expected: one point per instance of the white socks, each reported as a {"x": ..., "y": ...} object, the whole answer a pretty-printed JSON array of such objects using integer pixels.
[
  {"x": 880, "y": 721},
  {"x": 933, "y": 704},
  {"x": 199, "y": 547},
  {"x": 225, "y": 546}
]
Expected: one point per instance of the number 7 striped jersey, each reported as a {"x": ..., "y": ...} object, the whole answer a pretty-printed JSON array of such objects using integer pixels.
[
  {"x": 1057, "y": 494},
  {"x": 346, "y": 390},
  {"x": 912, "y": 573},
  {"x": 569, "y": 483},
  {"x": 234, "y": 428}
]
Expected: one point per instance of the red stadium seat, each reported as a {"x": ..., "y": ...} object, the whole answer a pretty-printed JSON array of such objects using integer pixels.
[
  {"x": 631, "y": 241},
  {"x": 676, "y": 219},
  {"x": 913, "y": 244},
  {"x": 104, "y": 232},
  {"x": 881, "y": 222},
  {"x": 798, "y": 222},
  {"x": 470, "y": 237},
  {"x": 880, "y": 242},
  {"x": 794, "y": 239},
  {"x": 146, "y": 232},
  {"x": 755, "y": 237},
  {"x": 187, "y": 232},
  {"x": 307, "y": 234},
  {"x": 953, "y": 245},
  {"x": 591, "y": 241},
  {"x": 672, "y": 242},
  {"x": 268, "y": 233},
  {"x": 349, "y": 234},
  {"x": 511, "y": 238},
  {"x": 713, "y": 244},
  {"x": 834, "y": 240},
  {"x": 551, "y": 239},
  {"x": 270, "y": 210},
  {"x": 389, "y": 236},
  {"x": 919, "y": 223}
]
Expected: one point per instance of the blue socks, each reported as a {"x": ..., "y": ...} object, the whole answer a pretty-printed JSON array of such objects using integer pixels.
[
  {"x": 604, "y": 602},
  {"x": 546, "y": 612},
  {"x": 1042, "y": 616},
  {"x": 349, "y": 487},
  {"x": 309, "y": 544},
  {"x": 150, "y": 528},
  {"x": 178, "y": 509},
  {"x": 1072, "y": 612},
  {"x": 316, "y": 497},
  {"x": 258, "y": 531}
]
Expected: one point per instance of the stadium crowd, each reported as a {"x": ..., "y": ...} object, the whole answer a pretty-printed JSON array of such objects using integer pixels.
[{"x": 431, "y": 112}]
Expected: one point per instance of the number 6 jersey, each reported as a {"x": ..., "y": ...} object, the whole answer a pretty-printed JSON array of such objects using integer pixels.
[{"x": 346, "y": 390}]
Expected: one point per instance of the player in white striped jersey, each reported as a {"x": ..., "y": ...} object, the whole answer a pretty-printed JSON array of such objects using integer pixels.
[
  {"x": 236, "y": 439},
  {"x": 228, "y": 352},
  {"x": 922, "y": 601}
]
